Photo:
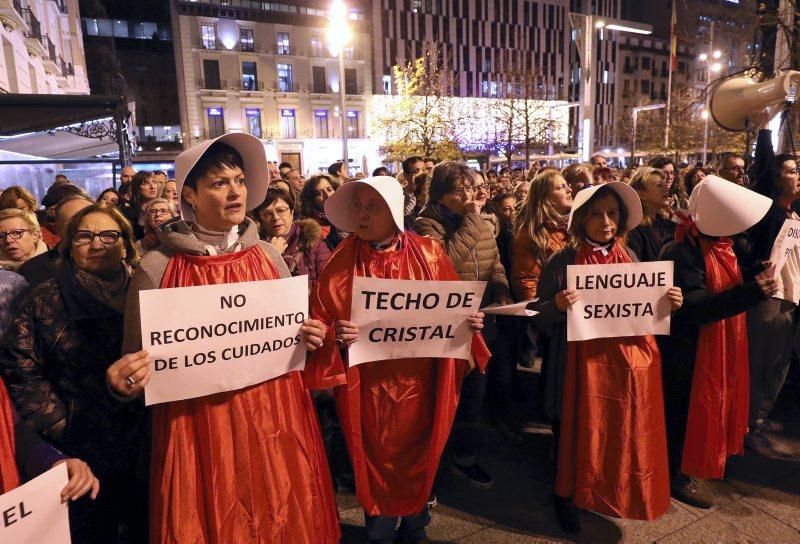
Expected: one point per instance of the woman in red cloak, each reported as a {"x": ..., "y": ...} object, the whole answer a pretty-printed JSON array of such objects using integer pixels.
[
  {"x": 246, "y": 465},
  {"x": 612, "y": 454},
  {"x": 396, "y": 414}
]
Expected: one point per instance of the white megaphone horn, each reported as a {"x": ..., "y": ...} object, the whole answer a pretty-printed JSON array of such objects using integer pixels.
[{"x": 738, "y": 99}]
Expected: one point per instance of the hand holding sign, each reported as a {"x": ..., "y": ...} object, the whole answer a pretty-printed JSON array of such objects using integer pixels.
[
  {"x": 128, "y": 375},
  {"x": 81, "y": 480},
  {"x": 566, "y": 298},
  {"x": 34, "y": 512}
]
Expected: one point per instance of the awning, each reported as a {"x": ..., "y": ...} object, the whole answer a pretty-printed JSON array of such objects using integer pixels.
[
  {"x": 23, "y": 113},
  {"x": 58, "y": 145}
]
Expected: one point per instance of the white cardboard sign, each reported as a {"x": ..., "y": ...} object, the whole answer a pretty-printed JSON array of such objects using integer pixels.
[
  {"x": 627, "y": 299},
  {"x": 214, "y": 338},
  {"x": 33, "y": 513},
  {"x": 786, "y": 249},
  {"x": 399, "y": 319}
]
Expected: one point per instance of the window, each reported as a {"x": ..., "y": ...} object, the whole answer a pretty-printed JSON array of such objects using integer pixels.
[
  {"x": 350, "y": 81},
  {"x": 283, "y": 43},
  {"x": 319, "y": 82},
  {"x": 645, "y": 63},
  {"x": 316, "y": 46},
  {"x": 387, "y": 84},
  {"x": 321, "y": 123},
  {"x": 288, "y": 126},
  {"x": 246, "y": 41},
  {"x": 249, "y": 76},
  {"x": 285, "y": 83},
  {"x": 645, "y": 86},
  {"x": 349, "y": 52},
  {"x": 211, "y": 74},
  {"x": 216, "y": 122},
  {"x": 208, "y": 35},
  {"x": 352, "y": 124},
  {"x": 253, "y": 116}
]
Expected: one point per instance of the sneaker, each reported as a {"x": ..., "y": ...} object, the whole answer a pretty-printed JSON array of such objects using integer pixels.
[
  {"x": 758, "y": 442},
  {"x": 567, "y": 515},
  {"x": 432, "y": 501},
  {"x": 691, "y": 491},
  {"x": 475, "y": 474}
]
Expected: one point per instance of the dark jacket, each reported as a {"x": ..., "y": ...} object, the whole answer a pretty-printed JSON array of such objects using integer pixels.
[
  {"x": 646, "y": 241},
  {"x": 306, "y": 252},
  {"x": 41, "y": 268},
  {"x": 54, "y": 357},
  {"x": 470, "y": 244},
  {"x": 504, "y": 242}
]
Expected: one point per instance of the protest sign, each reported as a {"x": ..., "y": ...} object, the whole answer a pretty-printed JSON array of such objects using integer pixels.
[
  {"x": 33, "y": 513},
  {"x": 626, "y": 299},
  {"x": 519, "y": 309},
  {"x": 786, "y": 249},
  {"x": 214, "y": 338},
  {"x": 400, "y": 319}
]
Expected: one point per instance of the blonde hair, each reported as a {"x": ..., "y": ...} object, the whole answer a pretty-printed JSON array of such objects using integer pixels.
[
  {"x": 639, "y": 183},
  {"x": 14, "y": 213},
  {"x": 537, "y": 213},
  {"x": 573, "y": 171},
  {"x": 9, "y": 197},
  {"x": 158, "y": 200}
]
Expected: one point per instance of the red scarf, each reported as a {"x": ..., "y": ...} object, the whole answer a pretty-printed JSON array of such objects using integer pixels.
[
  {"x": 719, "y": 403},
  {"x": 9, "y": 476}
]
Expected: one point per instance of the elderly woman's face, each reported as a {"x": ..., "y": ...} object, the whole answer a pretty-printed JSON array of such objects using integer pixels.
[
  {"x": 456, "y": 200},
  {"x": 603, "y": 221},
  {"x": 171, "y": 193},
  {"x": 93, "y": 247},
  {"x": 276, "y": 219},
  {"x": 375, "y": 222},
  {"x": 522, "y": 191},
  {"x": 17, "y": 242},
  {"x": 220, "y": 200},
  {"x": 158, "y": 214}
]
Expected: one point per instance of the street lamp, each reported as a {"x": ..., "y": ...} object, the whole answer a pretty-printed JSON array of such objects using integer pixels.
[
  {"x": 711, "y": 68},
  {"x": 635, "y": 113},
  {"x": 338, "y": 36}
]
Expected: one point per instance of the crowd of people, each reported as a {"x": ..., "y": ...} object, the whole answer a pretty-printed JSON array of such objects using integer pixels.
[{"x": 636, "y": 419}]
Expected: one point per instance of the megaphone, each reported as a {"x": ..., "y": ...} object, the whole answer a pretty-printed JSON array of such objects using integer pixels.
[{"x": 740, "y": 98}]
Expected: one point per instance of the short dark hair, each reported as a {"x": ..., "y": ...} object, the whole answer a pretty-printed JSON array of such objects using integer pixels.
[
  {"x": 109, "y": 190},
  {"x": 307, "y": 194},
  {"x": 273, "y": 194},
  {"x": 730, "y": 155},
  {"x": 406, "y": 164},
  {"x": 581, "y": 215},
  {"x": 284, "y": 165},
  {"x": 661, "y": 162},
  {"x": 381, "y": 171},
  {"x": 335, "y": 168},
  {"x": 429, "y": 159},
  {"x": 445, "y": 176},
  {"x": 218, "y": 155},
  {"x": 61, "y": 176}
]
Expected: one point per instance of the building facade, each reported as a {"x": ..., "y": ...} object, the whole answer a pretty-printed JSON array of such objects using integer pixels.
[
  {"x": 265, "y": 69},
  {"x": 42, "y": 48}
]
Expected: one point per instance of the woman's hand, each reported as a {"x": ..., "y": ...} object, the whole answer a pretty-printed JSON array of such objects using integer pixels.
[
  {"x": 346, "y": 332},
  {"x": 476, "y": 321},
  {"x": 279, "y": 243},
  {"x": 675, "y": 296},
  {"x": 566, "y": 298},
  {"x": 313, "y": 333},
  {"x": 81, "y": 480},
  {"x": 129, "y": 374},
  {"x": 768, "y": 286}
]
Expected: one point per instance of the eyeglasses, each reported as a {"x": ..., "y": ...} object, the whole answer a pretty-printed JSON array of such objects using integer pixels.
[
  {"x": 15, "y": 234},
  {"x": 277, "y": 212},
  {"x": 157, "y": 212},
  {"x": 107, "y": 237}
]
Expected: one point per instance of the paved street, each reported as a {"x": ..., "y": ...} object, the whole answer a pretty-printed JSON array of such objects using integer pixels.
[{"x": 758, "y": 502}]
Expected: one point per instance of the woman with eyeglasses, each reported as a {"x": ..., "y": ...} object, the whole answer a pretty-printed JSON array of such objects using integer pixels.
[
  {"x": 299, "y": 242},
  {"x": 157, "y": 212},
  {"x": 67, "y": 332},
  {"x": 453, "y": 216},
  {"x": 20, "y": 238}
]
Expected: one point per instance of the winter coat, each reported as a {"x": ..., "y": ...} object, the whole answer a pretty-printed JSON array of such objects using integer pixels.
[
  {"x": 526, "y": 266},
  {"x": 54, "y": 356},
  {"x": 306, "y": 251},
  {"x": 472, "y": 248}
]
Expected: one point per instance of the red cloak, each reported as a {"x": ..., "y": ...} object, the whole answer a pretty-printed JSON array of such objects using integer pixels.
[
  {"x": 242, "y": 466},
  {"x": 9, "y": 475},
  {"x": 396, "y": 414},
  {"x": 612, "y": 455},
  {"x": 720, "y": 397}
]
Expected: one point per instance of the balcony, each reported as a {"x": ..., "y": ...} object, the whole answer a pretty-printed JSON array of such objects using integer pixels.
[
  {"x": 62, "y": 6},
  {"x": 33, "y": 37},
  {"x": 286, "y": 87},
  {"x": 11, "y": 14},
  {"x": 67, "y": 69},
  {"x": 628, "y": 69},
  {"x": 50, "y": 59},
  {"x": 285, "y": 49}
]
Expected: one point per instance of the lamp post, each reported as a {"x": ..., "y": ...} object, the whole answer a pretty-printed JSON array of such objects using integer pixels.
[
  {"x": 635, "y": 113},
  {"x": 338, "y": 36},
  {"x": 713, "y": 66}
]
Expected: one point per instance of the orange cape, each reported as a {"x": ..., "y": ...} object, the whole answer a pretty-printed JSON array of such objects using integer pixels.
[
  {"x": 612, "y": 456},
  {"x": 242, "y": 466},
  {"x": 9, "y": 476},
  {"x": 396, "y": 414}
]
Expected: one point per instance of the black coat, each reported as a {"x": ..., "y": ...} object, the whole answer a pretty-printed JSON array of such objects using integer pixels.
[{"x": 54, "y": 357}]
